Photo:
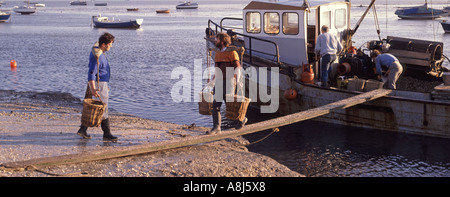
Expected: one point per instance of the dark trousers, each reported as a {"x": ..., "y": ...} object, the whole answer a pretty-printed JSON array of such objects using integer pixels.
[
  {"x": 217, "y": 104},
  {"x": 326, "y": 68}
]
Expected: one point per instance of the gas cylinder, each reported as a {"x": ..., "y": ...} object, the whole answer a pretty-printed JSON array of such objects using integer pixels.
[
  {"x": 307, "y": 74},
  {"x": 290, "y": 94},
  {"x": 352, "y": 50}
]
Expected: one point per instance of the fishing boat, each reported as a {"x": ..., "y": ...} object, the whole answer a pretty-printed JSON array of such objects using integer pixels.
[
  {"x": 446, "y": 26},
  {"x": 279, "y": 58},
  {"x": 78, "y": 2},
  {"x": 187, "y": 5},
  {"x": 25, "y": 9},
  {"x": 4, "y": 16},
  {"x": 132, "y": 9},
  {"x": 100, "y": 4},
  {"x": 420, "y": 12},
  {"x": 104, "y": 22},
  {"x": 163, "y": 11}
]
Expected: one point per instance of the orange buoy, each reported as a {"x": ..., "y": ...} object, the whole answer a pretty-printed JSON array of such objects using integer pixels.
[
  {"x": 13, "y": 64},
  {"x": 307, "y": 74},
  {"x": 290, "y": 94}
]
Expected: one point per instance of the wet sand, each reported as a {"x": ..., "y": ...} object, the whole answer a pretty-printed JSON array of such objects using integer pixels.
[{"x": 35, "y": 125}]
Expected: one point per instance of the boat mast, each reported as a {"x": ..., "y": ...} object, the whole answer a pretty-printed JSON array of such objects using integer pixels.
[{"x": 352, "y": 32}]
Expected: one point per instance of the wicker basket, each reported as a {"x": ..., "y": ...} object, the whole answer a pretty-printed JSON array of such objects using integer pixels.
[
  {"x": 237, "y": 109},
  {"x": 205, "y": 105},
  {"x": 92, "y": 112}
]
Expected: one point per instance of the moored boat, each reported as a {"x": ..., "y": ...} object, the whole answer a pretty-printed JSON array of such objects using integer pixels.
[
  {"x": 279, "y": 41},
  {"x": 446, "y": 26},
  {"x": 4, "y": 16},
  {"x": 163, "y": 11},
  {"x": 187, "y": 5},
  {"x": 132, "y": 9},
  {"x": 25, "y": 9},
  {"x": 420, "y": 12},
  {"x": 100, "y": 4},
  {"x": 104, "y": 22},
  {"x": 78, "y": 2}
]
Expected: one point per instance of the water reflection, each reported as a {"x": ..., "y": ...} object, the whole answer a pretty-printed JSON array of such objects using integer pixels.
[{"x": 319, "y": 149}]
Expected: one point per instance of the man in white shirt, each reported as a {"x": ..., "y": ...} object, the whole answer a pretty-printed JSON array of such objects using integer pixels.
[{"x": 327, "y": 47}]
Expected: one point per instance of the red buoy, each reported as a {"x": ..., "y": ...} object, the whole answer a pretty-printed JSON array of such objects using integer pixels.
[{"x": 13, "y": 64}]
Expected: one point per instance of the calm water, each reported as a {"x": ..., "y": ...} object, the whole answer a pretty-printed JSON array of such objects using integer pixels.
[{"x": 52, "y": 47}]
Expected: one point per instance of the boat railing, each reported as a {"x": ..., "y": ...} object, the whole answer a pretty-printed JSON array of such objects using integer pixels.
[{"x": 250, "y": 50}]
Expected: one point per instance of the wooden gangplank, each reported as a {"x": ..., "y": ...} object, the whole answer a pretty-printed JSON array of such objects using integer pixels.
[{"x": 192, "y": 140}]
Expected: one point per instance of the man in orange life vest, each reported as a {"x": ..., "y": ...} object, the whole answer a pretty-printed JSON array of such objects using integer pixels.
[{"x": 223, "y": 59}]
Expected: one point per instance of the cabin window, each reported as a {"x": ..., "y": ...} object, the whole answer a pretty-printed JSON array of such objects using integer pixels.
[
  {"x": 326, "y": 19},
  {"x": 341, "y": 16},
  {"x": 311, "y": 15},
  {"x": 253, "y": 22},
  {"x": 271, "y": 23},
  {"x": 290, "y": 23}
]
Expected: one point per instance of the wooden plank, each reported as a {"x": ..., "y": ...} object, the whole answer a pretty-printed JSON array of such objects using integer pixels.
[{"x": 192, "y": 140}]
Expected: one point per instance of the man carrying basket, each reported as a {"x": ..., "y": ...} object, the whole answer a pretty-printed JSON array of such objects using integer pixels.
[
  {"x": 224, "y": 84},
  {"x": 98, "y": 78}
]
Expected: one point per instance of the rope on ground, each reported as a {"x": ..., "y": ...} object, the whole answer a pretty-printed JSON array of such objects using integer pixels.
[
  {"x": 33, "y": 168},
  {"x": 274, "y": 130}
]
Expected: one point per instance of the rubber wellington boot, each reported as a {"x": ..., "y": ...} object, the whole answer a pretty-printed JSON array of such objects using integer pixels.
[
  {"x": 107, "y": 131},
  {"x": 216, "y": 123},
  {"x": 240, "y": 124},
  {"x": 83, "y": 132}
]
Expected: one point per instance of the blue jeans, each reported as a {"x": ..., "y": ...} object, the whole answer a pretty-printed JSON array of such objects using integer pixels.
[{"x": 326, "y": 68}]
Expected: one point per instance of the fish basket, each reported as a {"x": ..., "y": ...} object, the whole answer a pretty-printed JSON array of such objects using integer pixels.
[
  {"x": 355, "y": 84},
  {"x": 92, "y": 112},
  {"x": 236, "y": 107},
  {"x": 205, "y": 105},
  {"x": 372, "y": 85}
]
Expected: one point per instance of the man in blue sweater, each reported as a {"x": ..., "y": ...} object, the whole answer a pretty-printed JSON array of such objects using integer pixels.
[
  {"x": 327, "y": 46},
  {"x": 389, "y": 62},
  {"x": 104, "y": 44}
]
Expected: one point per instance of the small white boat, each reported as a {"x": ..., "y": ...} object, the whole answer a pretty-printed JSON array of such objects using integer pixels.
[
  {"x": 39, "y": 5},
  {"x": 187, "y": 5},
  {"x": 103, "y": 22}
]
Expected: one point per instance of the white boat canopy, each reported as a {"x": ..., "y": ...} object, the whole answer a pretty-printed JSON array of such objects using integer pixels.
[{"x": 293, "y": 26}]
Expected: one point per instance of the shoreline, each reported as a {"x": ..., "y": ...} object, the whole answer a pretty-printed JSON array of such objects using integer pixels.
[{"x": 35, "y": 125}]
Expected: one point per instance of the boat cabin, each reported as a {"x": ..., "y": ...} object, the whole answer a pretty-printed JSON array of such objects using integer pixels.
[{"x": 293, "y": 26}]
